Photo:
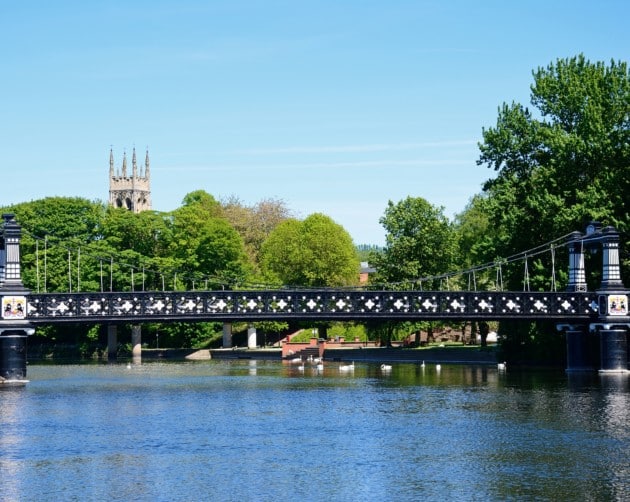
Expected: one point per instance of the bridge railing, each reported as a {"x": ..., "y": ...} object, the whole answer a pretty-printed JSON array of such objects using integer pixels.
[{"x": 307, "y": 304}]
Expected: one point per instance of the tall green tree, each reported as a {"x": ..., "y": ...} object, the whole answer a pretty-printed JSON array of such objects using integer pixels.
[
  {"x": 55, "y": 230},
  {"x": 559, "y": 164},
  {"x": 315, "y": 252},
  {"x": 203, "y": 244},
  {"x": 255, "y": 223},
  {"x": 420, "y": 242},
  {"x": 566, "y": 161}
]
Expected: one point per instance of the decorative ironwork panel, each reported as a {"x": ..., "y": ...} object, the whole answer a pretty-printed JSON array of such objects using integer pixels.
[
  {"x": 127, "y": 306},
  {"x": 59, "y": 306},
  {"x": 93, "y": 306},
  {"x": 367, "y": 303},
  {"x": 278, "y": 304},
  {"x": 250, "y": 303},
  {"x": 311, "y": 303},
  {"x": 396, "y": 303},
  {"x": 568, "y": 304},
  {"x": 427, "y": 303},
  {"x": 510, "y": 304},
  {"x": 454, "y": 303},
  {"x": 157, "y": 304},
  {"x": 340, "y": 303},
  {"x": 189, "y": 304},
  {"x": 220, "y": 304},
  {"x": 482, "y": 303}
]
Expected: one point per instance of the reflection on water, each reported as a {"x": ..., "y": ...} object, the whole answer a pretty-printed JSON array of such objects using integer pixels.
[{"x": 264, "y": 430}]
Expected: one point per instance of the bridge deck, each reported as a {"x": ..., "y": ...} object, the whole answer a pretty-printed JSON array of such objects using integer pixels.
[{"x": 307, "y": 304}]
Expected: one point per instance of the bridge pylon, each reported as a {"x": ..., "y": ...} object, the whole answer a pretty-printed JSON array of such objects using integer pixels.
[
  {"x": 14, "y": 326},
  {"x": 612, "y": 325}
]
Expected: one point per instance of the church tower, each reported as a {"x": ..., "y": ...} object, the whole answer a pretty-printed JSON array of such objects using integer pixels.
[{"x": 131, "y": 192}]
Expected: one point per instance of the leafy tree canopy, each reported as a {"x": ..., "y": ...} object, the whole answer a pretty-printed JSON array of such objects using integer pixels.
[
  {"x": 420, "y": 241},
  {"x": 315, "y": 252},
  {"x": 565, "y": 165}
]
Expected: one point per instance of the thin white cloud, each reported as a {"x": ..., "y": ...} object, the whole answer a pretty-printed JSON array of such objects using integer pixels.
[
  {"x": 358, "y": 148},
  {"x": 318, "y": 165}
]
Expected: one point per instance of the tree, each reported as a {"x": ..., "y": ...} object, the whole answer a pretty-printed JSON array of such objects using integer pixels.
[
  {"x": 315, "y": 252},
  {"x": 420, "y": 241},
  {"x": 558, "y": 167},
  {"x": 255, "y": 223},
  {"x": 204, "y": 245},
  {"x": 565, "y": 165}
]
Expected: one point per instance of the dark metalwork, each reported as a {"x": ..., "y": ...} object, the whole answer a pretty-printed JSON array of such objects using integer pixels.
[{"x": 341, "y": 305}]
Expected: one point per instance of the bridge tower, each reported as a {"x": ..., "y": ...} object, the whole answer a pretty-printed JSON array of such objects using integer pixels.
[
  {"x": 611, "y": 328},
  {"x": 131, "y": 192},
  {"x": 14, "y": 327}
]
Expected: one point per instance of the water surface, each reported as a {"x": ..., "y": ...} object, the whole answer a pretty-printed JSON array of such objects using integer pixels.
[{"x": 268, "y": 431}]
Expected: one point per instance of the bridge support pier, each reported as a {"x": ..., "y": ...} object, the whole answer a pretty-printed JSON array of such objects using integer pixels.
[
  {"x": 13, "y": 356},
  {"x": 581, "y": 349},
  {"x": 112, "y": 342},
  {"x": 227, "y": 335},
  {"x": 614, "y": 350},
  {"x": 251, "y": 337},
  {"x": 136, "y": 343}
]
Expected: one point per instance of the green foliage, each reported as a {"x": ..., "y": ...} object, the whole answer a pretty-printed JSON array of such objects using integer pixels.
[
  {"x": 365, "y": 251},
  {"x": 420, "y": 242},
  {"x": 565, "y": 168},
  {"x": 315, "y": 252},
  {"x": 557, "y": 168},
  {"x": 255, "y": 223},
  {"x": 206, "y": 244},
  {"x": 183, "y": 334}
]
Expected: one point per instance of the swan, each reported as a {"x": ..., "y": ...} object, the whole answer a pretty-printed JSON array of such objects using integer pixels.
[
  {"x": 296, "y": 360},
  {"x": 386, "y": 367},
  {"x": 347, "y": 367},
  {"x": 320, "y": 366},
  {"x": 502, "y": 366},
  {"x": 438, "y": 367},
  {"x": 422, "y": 365}
]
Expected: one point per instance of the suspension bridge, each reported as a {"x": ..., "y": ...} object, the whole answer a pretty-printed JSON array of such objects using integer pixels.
[{"x": 582, "y": 314}]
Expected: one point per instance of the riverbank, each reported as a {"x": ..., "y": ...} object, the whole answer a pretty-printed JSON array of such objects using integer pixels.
[
  {"x": 454, "y": 354},
  {"x": 448, "y": 354}
]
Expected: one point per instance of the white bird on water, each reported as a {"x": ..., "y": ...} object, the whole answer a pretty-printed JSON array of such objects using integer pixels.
[
  {"x": 386, "y": 367},
  {"x": 438, "y": 367},
  {"x": 422, "y": 365},
  {"x": 502, "y": 366},
  {"x": 347, "y": 367}
]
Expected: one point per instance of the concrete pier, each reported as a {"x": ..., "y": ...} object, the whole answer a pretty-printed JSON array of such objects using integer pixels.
[
  {"x": 251, "y": 337},
  {"x": 112, "y": 342},
  {"x": 614, "y": 350},
  {"x": 581, "y": 349},
  {"x": 13, "y": 359},
  {"x": 136, "y": 343},
  {"x": 227, "y": 335}
]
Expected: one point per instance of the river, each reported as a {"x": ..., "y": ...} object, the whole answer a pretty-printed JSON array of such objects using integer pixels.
[{"x": 267, "y": 431}]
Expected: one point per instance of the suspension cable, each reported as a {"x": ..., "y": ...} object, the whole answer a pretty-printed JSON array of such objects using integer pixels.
[
  {"x": 69, "y": 273},
  {"x": 37, "y": 261},
  {"x": 79, "y": 269},
  {"x": 45, "y": 261},
  {"x": 526, "y": 276},
  {"x": 553, "y": 268}
]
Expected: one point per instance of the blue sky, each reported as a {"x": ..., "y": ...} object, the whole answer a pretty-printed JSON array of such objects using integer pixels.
[{"x": 330, "y": 106}]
